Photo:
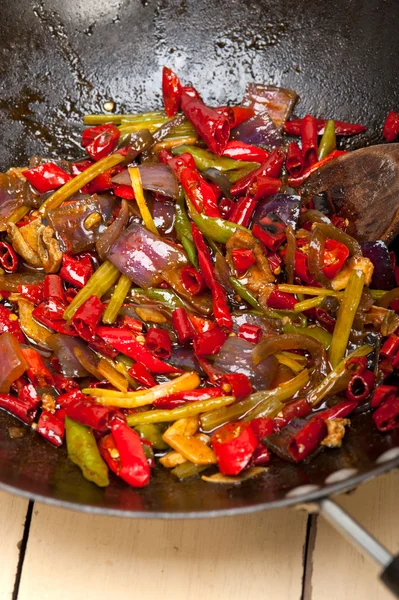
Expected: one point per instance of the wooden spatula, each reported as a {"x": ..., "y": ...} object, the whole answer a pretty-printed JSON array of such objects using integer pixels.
[{"x": 364, "y": 188}]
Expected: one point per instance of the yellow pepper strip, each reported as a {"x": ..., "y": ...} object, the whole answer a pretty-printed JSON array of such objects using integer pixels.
[
  {"x": 111, "y": 374},
  {"x": 86, "y": 364},
  {"x": 346, "y": 314},
  {"x": 141, "y": 203},
  {"x": 99, "y": 283},
  {"x": 18, "y": 214},
  {"x": 289, "y": 362},
  {"x": 172, "y": 460},
  {"x": 309, "y": 303},
  {"x": 308, "y": 290},
  {"x": 184, "y": 383},
  {"x": 117, "y": 299},
  {"x": 76, "y": 184},
  {"x": 29, "y": 326},
  {"x": 180, "y": 436},
  {"x": 320, "y": 392},
  {"x": 121, "y": 368},
  {"x": 187, "y": 410}
]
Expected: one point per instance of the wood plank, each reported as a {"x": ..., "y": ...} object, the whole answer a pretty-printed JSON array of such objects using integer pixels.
[
  {"x": 339, "y": 570},
  {"x": 12, "y": 520},
  {"x": 252, "y": 556}
]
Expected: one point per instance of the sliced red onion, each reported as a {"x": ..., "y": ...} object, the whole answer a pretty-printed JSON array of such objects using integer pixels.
[
  {"x": 14, "y": 192},
  {"x": 278, "y": 101},
  {"x": 236, "y": 357},
  {"x": 156, "y": 177},
  {"x": 268, "y": 326},
  {"x": 163, "y": 214},
  {"x": 68, "y": 222},
  {"x": 383, "y": 275},
  {"x": 107, "y": 204},
  {"x": 112, "y": 232},
  {"x": 260, "y": 131},
  {"x": 183, "y": 358},
  {"x": 285, "y": 206},
  {"x": 220, "y": 179},
  {"x": 63, "y": 346},
  {"x": 143, "y": 256}
]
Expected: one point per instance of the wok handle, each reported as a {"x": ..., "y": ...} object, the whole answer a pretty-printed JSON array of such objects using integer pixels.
[{"x": 355, "y": 533}]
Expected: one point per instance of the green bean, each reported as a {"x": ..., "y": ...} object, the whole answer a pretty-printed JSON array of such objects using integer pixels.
[
  {"x": 234, "y": 176},
  {"x": 346, "y": 314},
  {"x": 216, "y": 229},
  {"x": 328, "y": 141},
  {"x": 75, "y": 184},
  {"x": 187, "y": 410},
  {"x": 309, "y": 303},
  {"x": 116, "y": 119},
  {"x": 318, "y": 333},
  {"x": 166, "y": 297},
  {"x": 188, "y": 469},
  {"x": 99, "y": 283},
  {"x": 321, "y": 391},
  {"x": 152, "y": 433},
  {"x": 206, "y": 160},
  {"x": 308, "y": 290},
  {"x": 83, "y": 451},
  {"x": 117, "y": 299},
  {"x": 266, "y": 402}
]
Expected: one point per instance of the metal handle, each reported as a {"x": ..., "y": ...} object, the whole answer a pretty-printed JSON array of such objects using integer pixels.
[{"x": 355, "y": 533}]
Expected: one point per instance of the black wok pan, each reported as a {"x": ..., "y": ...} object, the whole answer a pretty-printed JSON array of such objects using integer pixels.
[{"x": 62, "y": 59}]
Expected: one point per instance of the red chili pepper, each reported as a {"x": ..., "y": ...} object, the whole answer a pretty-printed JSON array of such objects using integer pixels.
[
  {"x": 192, "y": 280},
  {"x": 261, "y": 456},
  {"x": 386, "y": 417},
  {"x": 124, "y": 341},
  {"x": 262, "y": 427},
  {"x": 356, "y": 364},
  {"x": 234, "y": 445},
  {"x": 124, "y": 191},
  {"x": 250, "y": 333},
  {"x": 301, "y": 268},
  {"x": 134, "y": 468},
  {"x": 128, "y": 322},
  {"x": 104, "y": 142},
  {"x": 264, "y": 186},
  {"x": 220, "y": 306},
  {"x": 270, "y": 168},
  {"x": 180, "y": 398},
  {"x": 142, "y": 375},
  {"x": 297, "y": 181},
  {"x": 382, "y": 393},
  {"x": 307, "y": 439},
  {"x": 294, "y": 162},
  {"x": 24, "y": 411},
  {"x": 237, "y": 384},
  {"x": 47, "y": 177},
  {"x": 8, "y": 258},
  {"x": 87, "y": 317},
  {"x": 109, "y": 452},
  {"x": 171, "y": 91},
  {"x": 246, "y": 152},
  {"x": 37, "y": 371},
  {"x": 270, "y": 231},
  {"x": 88, "y": 413},
  {"x": 177, "y": 163},
  {"x": 339, "y": 411},
  {"x": 243, "y": 211},
  {"x": 81, "y": 165},
  {"x": 101, "y": 183},
  {"x": 182, "y": 326},
  {"x": 309, "y": 140},
  {"x": 51, "y": 427},
  {"x": 51, "y": 314},
  {"x": 76, "y": 271},
  {"x": 391, "y": 346},
  {"x": 200, "y": 324},
  {"x": 213, "y": 127},
  {"x": 88, "y": 136},
  {"x": 199, "y": 192},
  {"x": 70, "y": 397},
  {"x": 243, "y": 259},
  {"x": 274, "y": 261},
  {"x": 53, "y": 287},
  {"x": 299, "y": 409},
  {"x": 9, "y": 322},
  {"x": 100, "y": 346},
  {"x": 32, "y": 292},
  {"x": 281, "y": 300},
  {"x": 158, "y": 342},
  {"x": 360, "y": 386},
  {"x": 325, "y": 319},
  {"x": 26, "y": 392},
  {"x": 334, "y": 257},
  {"x": 236, "y": 115},
  {"x": 64, "y": 384},
  {"x": 341, "y": 128},
  {"x": 226, "y": 207},
  {"x": 391, "y": 126},
  {"x": 209, "y": 342}
]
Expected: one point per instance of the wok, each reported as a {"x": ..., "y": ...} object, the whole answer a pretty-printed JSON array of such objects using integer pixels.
[{"x": 62, "y": 59}]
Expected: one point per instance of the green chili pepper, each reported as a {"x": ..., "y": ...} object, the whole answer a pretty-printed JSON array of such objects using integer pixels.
[
  {"x": 328, "y": 142},
  {"x": 246, "y": 295},
  {"x": 206, "y": 160},
  {"x": 346, "y": 314},
  {"x": 189, "y": 409},
  {"x": 237, "y": 174},
  {"x": 83, "y": 451},
  {"x": 318, "y": 333},
  {"x": 188, "y": 469},
  {"x": 183, "y": 230},
  {"x": 215, "y": 229},
  {"x": 152, "y": 433},
  {"x": 156, "y": 115},
  {"x": 166, "y": 297}
]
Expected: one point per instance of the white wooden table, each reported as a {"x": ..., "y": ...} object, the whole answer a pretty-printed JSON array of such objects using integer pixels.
[{"x": 53, "y": 554}]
